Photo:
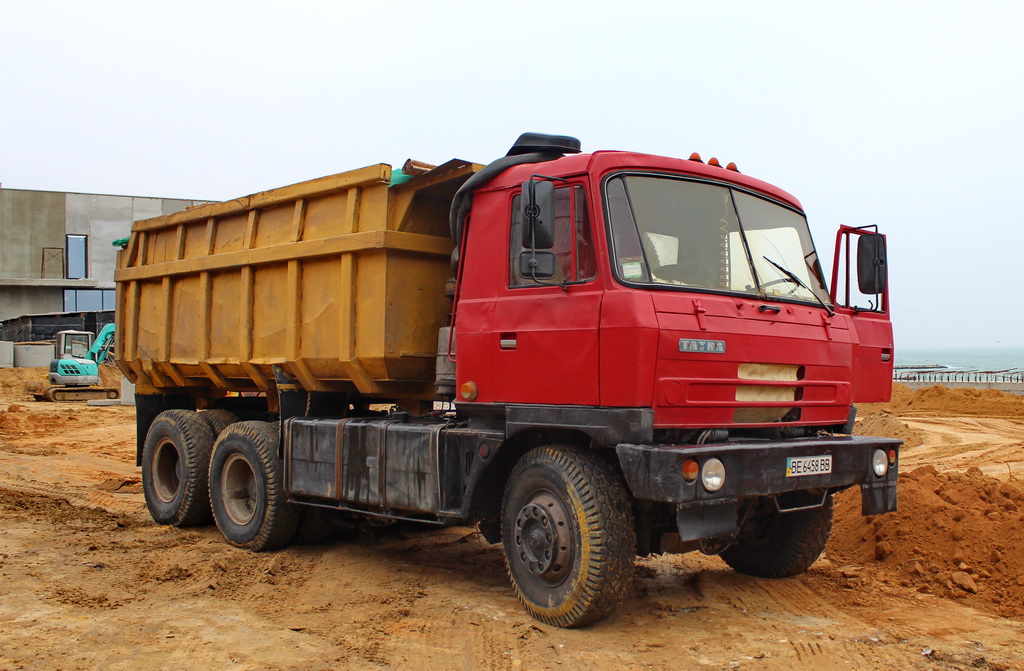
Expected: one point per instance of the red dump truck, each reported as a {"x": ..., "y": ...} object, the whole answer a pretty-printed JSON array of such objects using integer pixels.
[{"x": 589, "y": 356}]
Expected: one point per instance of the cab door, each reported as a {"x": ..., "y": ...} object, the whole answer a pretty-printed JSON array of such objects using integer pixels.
[
  {"x": 544, "y": 337},
  {"x": 861, "y": 295}
]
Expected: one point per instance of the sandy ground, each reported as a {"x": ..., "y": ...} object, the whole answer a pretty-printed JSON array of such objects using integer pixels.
[{"x": 88, "y": 581}]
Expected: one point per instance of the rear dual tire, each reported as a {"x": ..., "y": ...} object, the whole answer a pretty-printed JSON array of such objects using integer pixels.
[
  {"x": 218, "y": 420},
  {"x": 247, "y": 488},
  {"x": 175, "y": 462}
]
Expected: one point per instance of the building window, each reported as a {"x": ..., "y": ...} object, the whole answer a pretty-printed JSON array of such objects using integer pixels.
[
  {"x": 88, "y": 300},
  {"x": 77, "y": 255}
]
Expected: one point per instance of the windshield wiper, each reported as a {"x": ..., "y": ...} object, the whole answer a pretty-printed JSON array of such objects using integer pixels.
[{"x": 796, "y": 280}]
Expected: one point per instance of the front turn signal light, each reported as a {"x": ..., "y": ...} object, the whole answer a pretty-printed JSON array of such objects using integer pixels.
[{"x": 691, "y": 469}]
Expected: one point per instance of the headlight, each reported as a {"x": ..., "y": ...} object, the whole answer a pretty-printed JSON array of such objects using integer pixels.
[
  {"x": 712, "y": 476},
  {"x": 880, "y": 463}
]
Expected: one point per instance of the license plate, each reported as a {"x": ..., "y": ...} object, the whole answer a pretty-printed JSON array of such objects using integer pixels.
[{"x": 797, "y": 466}]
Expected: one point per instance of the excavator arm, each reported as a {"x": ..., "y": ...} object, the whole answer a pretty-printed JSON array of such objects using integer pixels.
[{"x": 98, "y": 351}]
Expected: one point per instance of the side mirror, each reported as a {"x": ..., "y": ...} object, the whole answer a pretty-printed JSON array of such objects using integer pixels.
[
  {"x": 871, "y": 263},
  {"x": 537, "y": 265},
  {"x": 538, "y": 215}
]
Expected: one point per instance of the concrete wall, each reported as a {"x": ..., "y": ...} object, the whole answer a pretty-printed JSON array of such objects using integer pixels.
[
  {"x": 104, "y": 219},
  {"x": 26, "y": 300},
  {"x": 32, "y": 220},
  {"x": 108, "y": 218}
]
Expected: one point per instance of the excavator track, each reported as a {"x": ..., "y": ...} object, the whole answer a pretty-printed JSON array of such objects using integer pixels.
[{"x": 73, "y": 394}]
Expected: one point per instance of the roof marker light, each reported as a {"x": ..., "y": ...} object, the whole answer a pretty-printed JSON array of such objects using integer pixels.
[
  {"x": 714, "y": 161},
  {"x": 732, "y": 166},
  {"x": 695, "y": 157}
]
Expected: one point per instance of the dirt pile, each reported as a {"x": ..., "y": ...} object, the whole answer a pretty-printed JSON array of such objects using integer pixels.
[
  {"x": 16, "y": 382},
  {"x": 13, "y": 382},
  {"x": 955, "y": 535},
  {"x": 885, "y": 425},
  {"x": 17, "y": 420},
  {"x": 43, "y": 420},
  {"x": 946, "y": 401}
]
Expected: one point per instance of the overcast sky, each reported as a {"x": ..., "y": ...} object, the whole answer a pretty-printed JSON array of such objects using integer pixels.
[{"x": 903, "y": 114}]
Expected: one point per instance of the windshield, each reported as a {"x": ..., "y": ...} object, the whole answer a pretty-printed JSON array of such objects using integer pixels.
[
  {"x": 76, "y": 344},
  {"x": 676, "y": 232}
]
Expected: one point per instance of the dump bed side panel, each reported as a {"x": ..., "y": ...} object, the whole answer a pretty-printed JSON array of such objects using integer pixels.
[{"x": 339, "y": 280}]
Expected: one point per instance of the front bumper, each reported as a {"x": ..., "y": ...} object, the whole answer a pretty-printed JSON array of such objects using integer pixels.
[{"x": 755, "y": 469}]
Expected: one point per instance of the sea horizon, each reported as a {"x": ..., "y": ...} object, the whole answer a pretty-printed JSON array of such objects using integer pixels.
[{"x": 986, "y": 358}]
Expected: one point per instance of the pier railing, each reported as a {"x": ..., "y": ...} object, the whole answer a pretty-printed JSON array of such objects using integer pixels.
[{"x": 940, "y": 375}]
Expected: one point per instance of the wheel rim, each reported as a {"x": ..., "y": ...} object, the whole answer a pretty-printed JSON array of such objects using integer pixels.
[
  {"x": 543, "y": 538},
  {"x": 166, "y": 470},
  {"x": 238, "y": 482}
]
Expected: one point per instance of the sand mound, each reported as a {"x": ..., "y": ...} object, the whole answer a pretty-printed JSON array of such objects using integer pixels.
[
  {"x": 885, "y": 425},
  {"x": 939, "y": 399},
  {"x": 17, "y": 419},
  {"x": 955, "y": 535},
  {"x": 15, "y": 382}
]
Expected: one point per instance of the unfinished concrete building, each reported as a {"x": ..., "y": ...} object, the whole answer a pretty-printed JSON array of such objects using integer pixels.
[{"x": 55, "y": 248}]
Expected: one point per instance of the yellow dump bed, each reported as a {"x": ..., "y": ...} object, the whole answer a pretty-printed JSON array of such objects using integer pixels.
[{"x": 339, "y": 280}]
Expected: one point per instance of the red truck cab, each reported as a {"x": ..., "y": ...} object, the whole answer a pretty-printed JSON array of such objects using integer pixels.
[{"x": 670, "y": 292}]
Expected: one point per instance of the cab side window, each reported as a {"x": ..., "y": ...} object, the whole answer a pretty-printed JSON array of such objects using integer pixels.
[{"x": 575, "y": 257}]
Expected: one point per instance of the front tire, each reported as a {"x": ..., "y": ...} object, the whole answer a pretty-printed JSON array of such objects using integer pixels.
[
  {"x": 247, "y": 488},
  {"x": 175, "y": 460},
  {"x": 568, "y": 535},
  {"x": 778, "y": 545}
]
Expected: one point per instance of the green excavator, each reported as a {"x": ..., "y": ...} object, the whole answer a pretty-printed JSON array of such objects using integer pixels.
[{"x": 74, "y": 374}]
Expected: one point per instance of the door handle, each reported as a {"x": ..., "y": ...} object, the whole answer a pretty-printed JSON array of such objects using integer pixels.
[{"x": 508, "y": 341}]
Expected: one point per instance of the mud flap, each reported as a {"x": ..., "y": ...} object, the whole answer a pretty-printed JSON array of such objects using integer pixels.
[
  {"x": 878, "y": 497},
  {"x": 706, "y": 519}
]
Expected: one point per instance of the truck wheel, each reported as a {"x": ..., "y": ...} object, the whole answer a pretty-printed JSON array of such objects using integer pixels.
[
  {"x": 247, "y": 488},
  {"x": 218, "y": 419},
  {"x": 568, "y": 535},
  {"x": 175, "y": 460},
  {"x": 776, "y": 545}
]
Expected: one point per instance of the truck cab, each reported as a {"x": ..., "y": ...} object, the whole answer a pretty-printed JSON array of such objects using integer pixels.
[{"x": 687, "y": 289}]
